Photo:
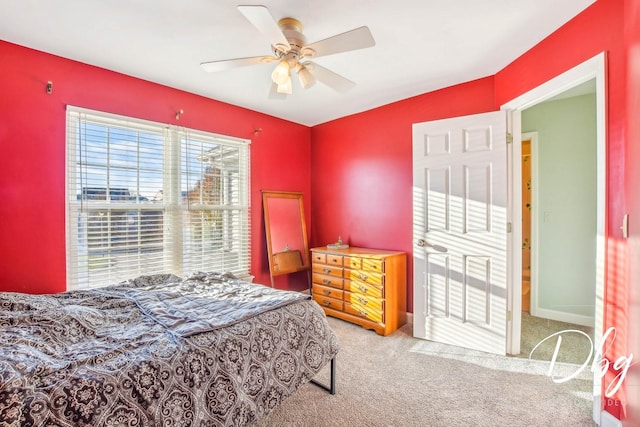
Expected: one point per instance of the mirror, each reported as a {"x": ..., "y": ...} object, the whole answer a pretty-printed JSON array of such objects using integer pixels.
[{"x": 286, "y": 232}]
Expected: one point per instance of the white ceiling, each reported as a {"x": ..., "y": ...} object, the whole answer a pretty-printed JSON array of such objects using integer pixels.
[{"x": 421, "y": 45}]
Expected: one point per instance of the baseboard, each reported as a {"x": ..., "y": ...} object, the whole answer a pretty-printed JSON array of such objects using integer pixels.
[
  {"x": 608, "y": 420},
  {"x": 562, "y": 316},
  {"x": 410, "y": 318}
]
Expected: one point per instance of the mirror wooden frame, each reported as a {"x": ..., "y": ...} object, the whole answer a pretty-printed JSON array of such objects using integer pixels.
[{"x": 286, "y": 233}]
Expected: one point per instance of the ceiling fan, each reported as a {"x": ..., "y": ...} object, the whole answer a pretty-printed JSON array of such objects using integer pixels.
[{"x": 290, "y": 50}]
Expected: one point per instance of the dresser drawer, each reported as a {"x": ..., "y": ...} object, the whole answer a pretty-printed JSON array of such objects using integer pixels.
[
  {"x": 363, "y": 288},
  {"x": 369, "y": 277},
  {"x": 334, "y": 260},
  {"x": 364, "y": 300},
  {"x": 375, "y": 265},
  {"x": 329, "y": 270},
  {"x": 367, "y": 312},
  {"x": 318, "y": 257},
  {"x": 321, "y": 279},
  {"x": 327, "y": 302},
  {"x": 353, "y": 262},
  {"x": 327, "y": 291}
]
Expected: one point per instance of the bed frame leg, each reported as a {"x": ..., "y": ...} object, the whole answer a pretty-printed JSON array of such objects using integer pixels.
[{"x": 331, "y": 388}]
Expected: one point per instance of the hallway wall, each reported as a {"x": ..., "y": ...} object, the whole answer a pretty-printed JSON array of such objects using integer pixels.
[{"x": 566, "y": 211}]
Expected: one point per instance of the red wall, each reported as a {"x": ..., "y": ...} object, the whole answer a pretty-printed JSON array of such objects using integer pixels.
[
  {"x": 361, "y": 169},
  {"x": 632, "y": 199},
  {"x": 32, "y": 164}
]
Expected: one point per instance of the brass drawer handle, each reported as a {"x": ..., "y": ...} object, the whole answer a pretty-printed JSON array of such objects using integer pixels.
[
  {"x": 363, "y": 289},
  {"x": 326, "y": 270},
  {"x": 363, "y": 301},
  {"x": 326, "y": 281},
  {"x": 362, "y": 277},
  {"x": 326, "y": 292},
  {"x": 362, "y": 313},
  {"x": 326, "y": 303}
]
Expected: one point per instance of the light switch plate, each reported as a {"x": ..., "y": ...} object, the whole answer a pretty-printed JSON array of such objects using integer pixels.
[{"x": 625, "y": 226}]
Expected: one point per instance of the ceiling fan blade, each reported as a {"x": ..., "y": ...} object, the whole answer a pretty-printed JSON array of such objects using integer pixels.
[
  {"x": 329, "y": 78},
  {"x": 261, "y": 18},
  {"x": 359, "y": 38},
  {"x": 228, "y": 64}
]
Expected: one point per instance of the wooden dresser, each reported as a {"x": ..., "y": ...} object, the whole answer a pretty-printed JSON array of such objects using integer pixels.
[{"x": 367, "y": 287}]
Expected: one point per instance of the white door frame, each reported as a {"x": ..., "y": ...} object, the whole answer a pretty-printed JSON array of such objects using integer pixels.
[{"x": 590, "y": 69}]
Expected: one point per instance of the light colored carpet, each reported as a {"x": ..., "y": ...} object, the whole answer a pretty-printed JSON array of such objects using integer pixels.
[
  {"x": 402, "y": 381},
  {"x": 574, "y": 348}
]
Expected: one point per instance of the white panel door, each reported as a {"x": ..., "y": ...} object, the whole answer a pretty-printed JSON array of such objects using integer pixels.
[{"x": 460, "y": 231}]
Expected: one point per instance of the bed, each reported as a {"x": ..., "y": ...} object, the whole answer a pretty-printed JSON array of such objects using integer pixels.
[{"x": 204, "y": 350}]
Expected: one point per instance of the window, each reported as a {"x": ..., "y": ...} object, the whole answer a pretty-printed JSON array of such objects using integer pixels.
[{"x": 146, "y": 198}]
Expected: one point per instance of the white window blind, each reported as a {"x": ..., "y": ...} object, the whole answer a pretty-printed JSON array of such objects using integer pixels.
[{"x": 146, "y": 198}]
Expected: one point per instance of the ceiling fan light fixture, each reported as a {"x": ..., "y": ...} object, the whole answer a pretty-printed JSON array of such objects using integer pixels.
[
  {"x": 281, "y": 73},
  {"x": 306, "y": 78},
  {"x": 289, "y": 47},
  {"x": 285, "y": 87}
]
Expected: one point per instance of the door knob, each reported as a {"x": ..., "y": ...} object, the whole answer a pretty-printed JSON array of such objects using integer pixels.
[{"x": 423, "y": 243}]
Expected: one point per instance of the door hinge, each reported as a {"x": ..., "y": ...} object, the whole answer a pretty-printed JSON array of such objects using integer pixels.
[
  {"x": 509, "y": 227},
  {"x": 509, "y": 316},
  {"x": 509, "y": 137}
]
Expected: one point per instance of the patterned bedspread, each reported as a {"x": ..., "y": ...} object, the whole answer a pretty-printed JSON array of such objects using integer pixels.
[{"x": 209, "y": 350}]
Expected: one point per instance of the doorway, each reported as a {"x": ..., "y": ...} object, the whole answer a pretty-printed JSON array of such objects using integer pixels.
[
  {"x": 559, "y": 164},
  {"x": 561, "y": 233},
  {"x": 590, "y": 70}
]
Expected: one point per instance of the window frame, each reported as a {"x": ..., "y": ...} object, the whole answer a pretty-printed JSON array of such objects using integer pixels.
[{"x": 174, "y": 206}]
